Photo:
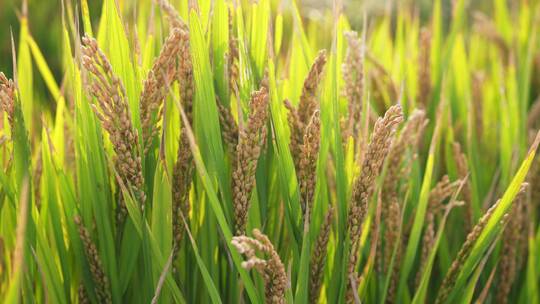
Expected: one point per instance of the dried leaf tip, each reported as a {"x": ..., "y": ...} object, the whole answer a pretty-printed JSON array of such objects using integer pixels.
[
  {"x": 271, "y": 268},
  {"x": 248, "y": 150}
]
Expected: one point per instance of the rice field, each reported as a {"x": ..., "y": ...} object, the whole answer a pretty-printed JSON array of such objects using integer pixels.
[{"x": 270, "y": 151}]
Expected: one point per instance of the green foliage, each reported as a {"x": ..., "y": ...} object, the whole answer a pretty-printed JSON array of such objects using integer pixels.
[{"x": 58, "y": 163}]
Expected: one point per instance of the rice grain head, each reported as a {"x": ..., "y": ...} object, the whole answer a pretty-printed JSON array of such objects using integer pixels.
[
  {"x": 381, "y": 139},
  {"x": 308, "y": 104},
  {"x": 7, "y": 99},
  {"x": 271, "y": 268},
  {"x": 396, "y": 161},
  {"x": 463, "y": 172},
  {"x": 308, "y": 164},
  {"x": 102, "y": 288},
  {"x": 442, "y": 190},
  {"x": 156, "y": 86},
  {"x": 248, "y": 150},
  {"x": 229, "y": 129},
  {"x": 451, "y": 275},
  {"x": 233, "y": 57},
  {"x": 353, "y": 76},
  {"x": 508, "y": 264},
  {"x": 113, "y": 112},
  {"x": 318, "y": 257},
  {"x": 184, "y": 167}
]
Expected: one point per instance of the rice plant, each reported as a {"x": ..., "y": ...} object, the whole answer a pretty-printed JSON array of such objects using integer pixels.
[{"x": 224, "y": 151}]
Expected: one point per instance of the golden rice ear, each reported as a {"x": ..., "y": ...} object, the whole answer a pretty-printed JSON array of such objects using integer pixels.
[
  {"x": 318, "y": 257},
  {"x": 233, "y": 58},
  {"x": 184, "y": 166},
  {"x": 102, "y": 287},
  {"x": 307, "y": 173},
  {"x": 381, "y": 139},
  {"x": 271, "y": 268},
  {"x": 353, "y": 77},
  {"x": 112, "y": 109},
  {"x": 248, "y": 150},
  {"x": 308, "y": 100},
  {"x": 451, "y": 275},
  {"x": 229, "y": 129},
  {"x": 463, "y": 173},
  {"x": 7, "y": 98},
  {"x": 156, "y": 86},
  {"x": 514, "y": 239}
]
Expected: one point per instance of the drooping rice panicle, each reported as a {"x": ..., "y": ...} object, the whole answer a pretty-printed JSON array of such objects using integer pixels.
[
  {"x": 442, "y": 190},
  {"x": 353, "y": 76},
  {"x": 308, "y": 164},
  {"x": 318, "y": 257},
  {"x": 463, "y": 173},
  {"x": 452, "y": 273},
  {"x": 308, "y": 99},
  {"x": 396, "y": 161},
  {"x": 229, "y": 129},
  {"x": 156, "y": 85},
  {"x": 271, "y": 268},
  {"x": 299, "y": 118},
  {"x": 248, "y": 150},
  {"x": 232, "y": 57},
  {"x": 381, "y": 139},
  {"x": 508, "y": 264},
  {"x": 183, "y": 167},
  {"x": 7, "y": 99},
  {"x": 111, "y": 107},
  {"x": 101, "y": 282},
  {"x": 82, "y": 295},
  {"x": 172, "y": 15}
]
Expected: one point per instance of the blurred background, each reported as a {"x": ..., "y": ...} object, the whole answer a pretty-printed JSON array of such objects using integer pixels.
[{"x": 45, "y": 18}]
